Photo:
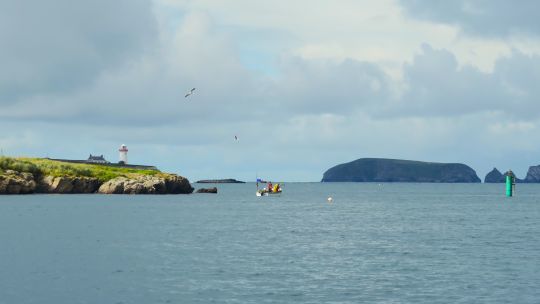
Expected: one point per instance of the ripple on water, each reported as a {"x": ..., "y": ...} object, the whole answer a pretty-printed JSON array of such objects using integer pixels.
[{"x": 393, "y": 243}]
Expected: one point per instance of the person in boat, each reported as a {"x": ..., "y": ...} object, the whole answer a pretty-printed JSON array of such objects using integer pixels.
[
  {"x": 269, "y": 187},
  {"x": 276, "y": 188}
]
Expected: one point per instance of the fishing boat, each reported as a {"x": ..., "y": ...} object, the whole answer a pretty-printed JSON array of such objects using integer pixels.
[
  {"x": 270, "y": 190},
  {"x": 264, "y": 192}
]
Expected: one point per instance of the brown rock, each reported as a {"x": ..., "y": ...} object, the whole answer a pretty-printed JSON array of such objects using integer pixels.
[
  {"x": 13, "y": 182},
  {"x": 85, "y": 185},
  {"x": 113, "y": 186},
  {"x": 62, "y": 185},
  {"x": 207, "y": 190},
  {"x": 147, "y": 184},
  {"x": 176, "y": 184},
  {"x": 68, "y": 184}
]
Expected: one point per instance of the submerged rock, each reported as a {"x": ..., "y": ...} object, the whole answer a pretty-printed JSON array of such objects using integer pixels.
[
  {"x": 13, "y": 182},
  {"x": 207, "y": 190}
]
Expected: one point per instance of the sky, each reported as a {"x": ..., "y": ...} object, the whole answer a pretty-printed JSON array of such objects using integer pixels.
[{"x": 304, "y": 84}]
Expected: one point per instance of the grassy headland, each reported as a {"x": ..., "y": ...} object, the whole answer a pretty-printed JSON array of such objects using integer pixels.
[{"x": 42, "y": 166}]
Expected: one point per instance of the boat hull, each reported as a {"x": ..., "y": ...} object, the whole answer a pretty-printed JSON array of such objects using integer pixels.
[{"x": 266, "y": 193}]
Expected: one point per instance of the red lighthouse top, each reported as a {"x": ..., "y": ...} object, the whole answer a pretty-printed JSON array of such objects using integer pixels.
[{"x": 123, "y": 148}]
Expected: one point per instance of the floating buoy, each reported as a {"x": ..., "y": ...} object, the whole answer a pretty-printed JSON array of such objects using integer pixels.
[{"x": 510, "y": 183}]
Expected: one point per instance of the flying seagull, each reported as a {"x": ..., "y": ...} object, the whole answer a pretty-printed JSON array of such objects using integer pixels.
[{"x": 190, "y": 92}]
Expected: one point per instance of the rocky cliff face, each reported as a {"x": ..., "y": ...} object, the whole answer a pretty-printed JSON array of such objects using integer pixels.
[
  {"x": 13, "y": 182},
  {"x": 145, "y": 184},
  {"x": 67, "y": 184},
  {"x": 533, "y": 175},
  {"x": 176, "y": 184},
  {"x": 395, "y": 170}
]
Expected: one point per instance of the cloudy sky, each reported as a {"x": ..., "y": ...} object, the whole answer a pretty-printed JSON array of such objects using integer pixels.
[{"x": 304, "y": 84}]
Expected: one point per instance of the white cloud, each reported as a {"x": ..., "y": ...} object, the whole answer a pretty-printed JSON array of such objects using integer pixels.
[{"x": 381, "y": 32}]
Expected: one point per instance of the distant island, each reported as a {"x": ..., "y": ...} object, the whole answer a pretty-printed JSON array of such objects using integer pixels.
[
  {"x": 220, "y": 181},
  {"x": 42, "y": 175},
  {"x": 495, "y": 176},
  {"x": 396, "y": 170}
]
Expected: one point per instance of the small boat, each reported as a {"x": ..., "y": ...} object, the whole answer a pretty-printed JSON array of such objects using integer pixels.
[
  {"x": 264, "y": 192},
  {"x": 271, "y": 190}
]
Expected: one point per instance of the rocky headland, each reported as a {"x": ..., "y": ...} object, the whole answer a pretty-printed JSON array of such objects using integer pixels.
[
  {"x": 26, "y": 176},
  {"x": 396, "y": 170},
  {"x": 533, "y": 175},
  {"x": 13, "y": 182}
]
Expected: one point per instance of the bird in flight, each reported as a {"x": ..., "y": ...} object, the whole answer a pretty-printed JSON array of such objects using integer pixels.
[{"x": 189, "y": 92}]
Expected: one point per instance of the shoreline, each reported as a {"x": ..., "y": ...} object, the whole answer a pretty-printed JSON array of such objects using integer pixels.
[{"x": 38, "y": 175}]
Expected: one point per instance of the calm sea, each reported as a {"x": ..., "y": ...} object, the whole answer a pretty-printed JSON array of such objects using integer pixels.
[{"x": 376, "y": 243}]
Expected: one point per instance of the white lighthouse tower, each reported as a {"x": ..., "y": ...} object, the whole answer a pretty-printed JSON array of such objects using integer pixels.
[{"x": 123, "y": 154}]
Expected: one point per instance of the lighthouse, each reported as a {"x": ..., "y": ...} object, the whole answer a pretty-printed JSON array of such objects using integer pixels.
[{"x": 123, "y": 154}]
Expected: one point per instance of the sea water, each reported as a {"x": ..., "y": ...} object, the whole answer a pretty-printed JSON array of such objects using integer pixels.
[{"x": 375, "y": 243}]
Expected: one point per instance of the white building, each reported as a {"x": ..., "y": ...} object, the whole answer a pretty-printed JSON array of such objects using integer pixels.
[{"x": 123, "y": 154}]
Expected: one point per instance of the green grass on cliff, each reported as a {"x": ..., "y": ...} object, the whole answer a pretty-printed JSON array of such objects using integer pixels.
[{"x": 41, "y": 166}]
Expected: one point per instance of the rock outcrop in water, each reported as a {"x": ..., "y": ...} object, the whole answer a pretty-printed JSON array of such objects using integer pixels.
[
  {"x": 395, "y": 170},
  {"x": 207, "y": 190},
  {"x": 172, "y": 184}
]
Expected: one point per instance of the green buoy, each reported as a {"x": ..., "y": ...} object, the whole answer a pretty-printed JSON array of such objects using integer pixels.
[{"x": 510, "y": 183}]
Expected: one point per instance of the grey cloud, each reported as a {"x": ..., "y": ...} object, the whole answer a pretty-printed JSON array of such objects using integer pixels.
[
  {"x": 437, "y": 86},
  {"x": 520, "y": 74},
  {"x": 150, "y": 91},
  {"x": 313, "y": 87},
  {"x": 60, "y": 45},
  {"x": 493, "y": 18}
]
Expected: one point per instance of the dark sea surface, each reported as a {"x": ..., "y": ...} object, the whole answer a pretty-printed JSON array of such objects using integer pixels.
[{"x": 376, "y": 243}]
